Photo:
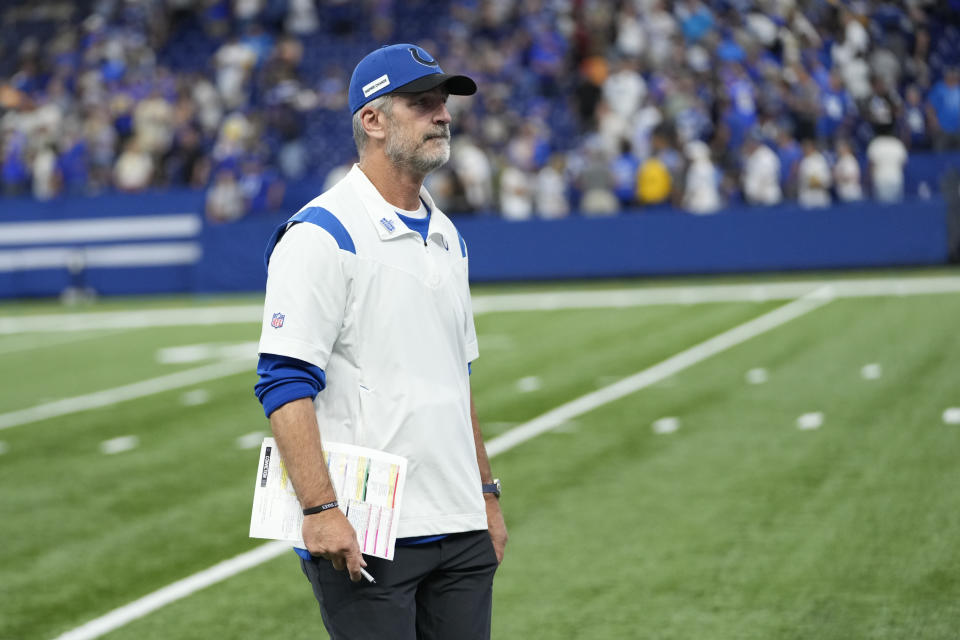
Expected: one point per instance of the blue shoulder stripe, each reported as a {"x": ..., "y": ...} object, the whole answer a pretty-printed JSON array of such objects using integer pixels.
[
  {"x": 463, "y": 245},
  {"x": 329, "y": 223},
  {"x": 323, "y": 219}
]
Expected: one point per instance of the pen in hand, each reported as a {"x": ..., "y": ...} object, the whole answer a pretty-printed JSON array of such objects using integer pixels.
[{"x": 303, "y": 553}]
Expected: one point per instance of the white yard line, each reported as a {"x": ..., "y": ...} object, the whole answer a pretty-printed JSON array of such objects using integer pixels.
[
  {"x": 542, "y": 301},
  {"x": 16, "y": 345},
  {"x": 656, "y": 373},
  {"x": 61, "y": 322},
  {"x": 173, "y": 592},
  {"x": 127, "y": 392},
  {"x": 615, "y": 298},
  {"x": 516, "y": 436}
]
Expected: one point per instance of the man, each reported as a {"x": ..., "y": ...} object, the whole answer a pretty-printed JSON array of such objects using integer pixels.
[
  {"x": 761, "y": 172},
  {"x": 813, "y": 177},
  {"x": 944, "y": 110},
  {"x": 701, "y": 193},
  {"x": 887, "y": 156},
  {"x": 846, "y": 174},
  {"x": 367, "y": 339}
]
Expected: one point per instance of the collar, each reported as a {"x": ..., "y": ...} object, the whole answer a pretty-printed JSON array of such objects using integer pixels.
[{"x": 383, "y": 216}]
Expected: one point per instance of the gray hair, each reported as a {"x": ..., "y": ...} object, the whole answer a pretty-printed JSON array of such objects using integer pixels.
[{"x": 360, "y": 137}]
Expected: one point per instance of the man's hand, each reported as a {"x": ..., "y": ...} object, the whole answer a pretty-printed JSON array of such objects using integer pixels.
[
  {"x": 496, "y": 525},
  {"x": 330, "y": 535}
]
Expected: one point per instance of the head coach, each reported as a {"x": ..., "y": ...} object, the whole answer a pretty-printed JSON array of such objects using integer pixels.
[{"x": 367, "y": 338}]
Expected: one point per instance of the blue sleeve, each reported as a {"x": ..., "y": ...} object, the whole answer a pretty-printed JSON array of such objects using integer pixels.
[{"x": 284, "y": 379}]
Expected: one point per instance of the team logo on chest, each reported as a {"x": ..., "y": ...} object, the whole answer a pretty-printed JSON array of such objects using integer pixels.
[
  {"x": 277, "y": 321},
  {"x": 388, "y": 224}
]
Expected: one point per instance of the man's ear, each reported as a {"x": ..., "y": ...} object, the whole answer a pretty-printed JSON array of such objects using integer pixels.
[{"x": 374, "y": 123}]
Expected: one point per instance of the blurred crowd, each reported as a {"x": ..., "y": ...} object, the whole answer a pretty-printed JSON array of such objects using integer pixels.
[{"x": 585, "y": 106}]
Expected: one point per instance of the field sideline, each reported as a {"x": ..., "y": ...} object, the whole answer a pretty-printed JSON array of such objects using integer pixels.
[{"x": 783, "y": 474}]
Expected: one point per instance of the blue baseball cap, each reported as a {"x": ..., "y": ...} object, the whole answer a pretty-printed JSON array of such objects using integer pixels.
[{"x": 402, "y": 68}]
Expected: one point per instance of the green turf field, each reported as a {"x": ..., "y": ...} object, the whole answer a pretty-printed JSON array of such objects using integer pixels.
[{"x": 736, "y": 525}]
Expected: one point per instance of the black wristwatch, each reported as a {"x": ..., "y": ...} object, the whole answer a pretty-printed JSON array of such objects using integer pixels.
[{"x": 493, "y": 487}]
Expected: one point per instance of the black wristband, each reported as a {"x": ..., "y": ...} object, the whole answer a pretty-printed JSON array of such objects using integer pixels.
[{"x": 321, "y": 508}]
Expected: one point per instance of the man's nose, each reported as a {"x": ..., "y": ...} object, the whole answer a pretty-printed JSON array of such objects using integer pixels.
[{"x": 442, "y": 115}]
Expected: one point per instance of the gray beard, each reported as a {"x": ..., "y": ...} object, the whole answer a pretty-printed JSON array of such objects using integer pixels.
[{"x": 416, "y": 160}]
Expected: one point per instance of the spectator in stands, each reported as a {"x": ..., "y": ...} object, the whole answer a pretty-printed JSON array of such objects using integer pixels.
[
  {"x": 595, "y": 182},
  {"x": 332, "y": 89},
  {"x": 803, "y": 101},
  {"x": 234, "y": 62},
  {"x": 846, "y": 174},
  {"x": 789, "y": 154},
  {"x": 847, "y": 58},
  {"x": 916, "y": 66},
  {"x": 234, "y": 140},
  {"x": 529, "y": 148},
  {"x": 209, "y": 106},
  {"x": 516, "y": 194},
  {"x": 187, "y": 163},
  {"x": 740, "y": 114},
  {"x": 446, "y": 190},
  {"x": 624, "y": 169},
  {"x": 121, "y": 109},
  {"x": 641, "y": 129},
  {"x": 588, "y": 91},
  {"x": 46, "y": 178},
  {"x": 611, "y": 129},
  {"x": 837, "y": 110},
  {"x": 102, "y": 143},
  {"x": 696, "y": 20},
  {"x": 761, "y": 173},
  {"x": 944, "y": 111},
  {"x": 302, "y": 18},
  {"x": 664, "y": 149},
  {"x": 654, "y": 182},
  {"x": 546, "y": 53},
  {"x": 472, "y": 167},
  {"x": 704, "y": 70},
  {"x": 153, "y": 124},
  {"x": 16, "y": 173},
  {"x": 261, "y": 187},
  {"x": 882, "y": 108},
  {"x": 914, "y": 130},
  {"x": 134, "y": 170},
  {"x": 885, "y": 65},
  {"x": 550, "y": 198},
  {"x": 631, "y": 40},
  {"x": 813, "y": 177},
  {"x": 624, "y": 89},
  {"x": 887, "y": 157},
  {"x": 225, "y": 199},
  {"x": 72, "y": 162},
  {"x": 701, "y": 193},
  {"x": 661, "y": 28}
]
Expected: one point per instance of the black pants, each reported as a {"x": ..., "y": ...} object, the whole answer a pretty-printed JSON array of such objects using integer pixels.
[{"x": 440, "y": 590}]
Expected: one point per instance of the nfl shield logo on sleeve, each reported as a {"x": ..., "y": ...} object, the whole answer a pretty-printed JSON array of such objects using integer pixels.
[{"x": 277, "y": 321}]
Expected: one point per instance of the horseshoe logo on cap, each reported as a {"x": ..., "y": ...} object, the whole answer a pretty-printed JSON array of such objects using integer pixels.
[{"x": 416, "y": 56}]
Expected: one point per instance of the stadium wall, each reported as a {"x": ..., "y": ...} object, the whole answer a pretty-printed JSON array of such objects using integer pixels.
[{"x": 122, "y": 244}]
